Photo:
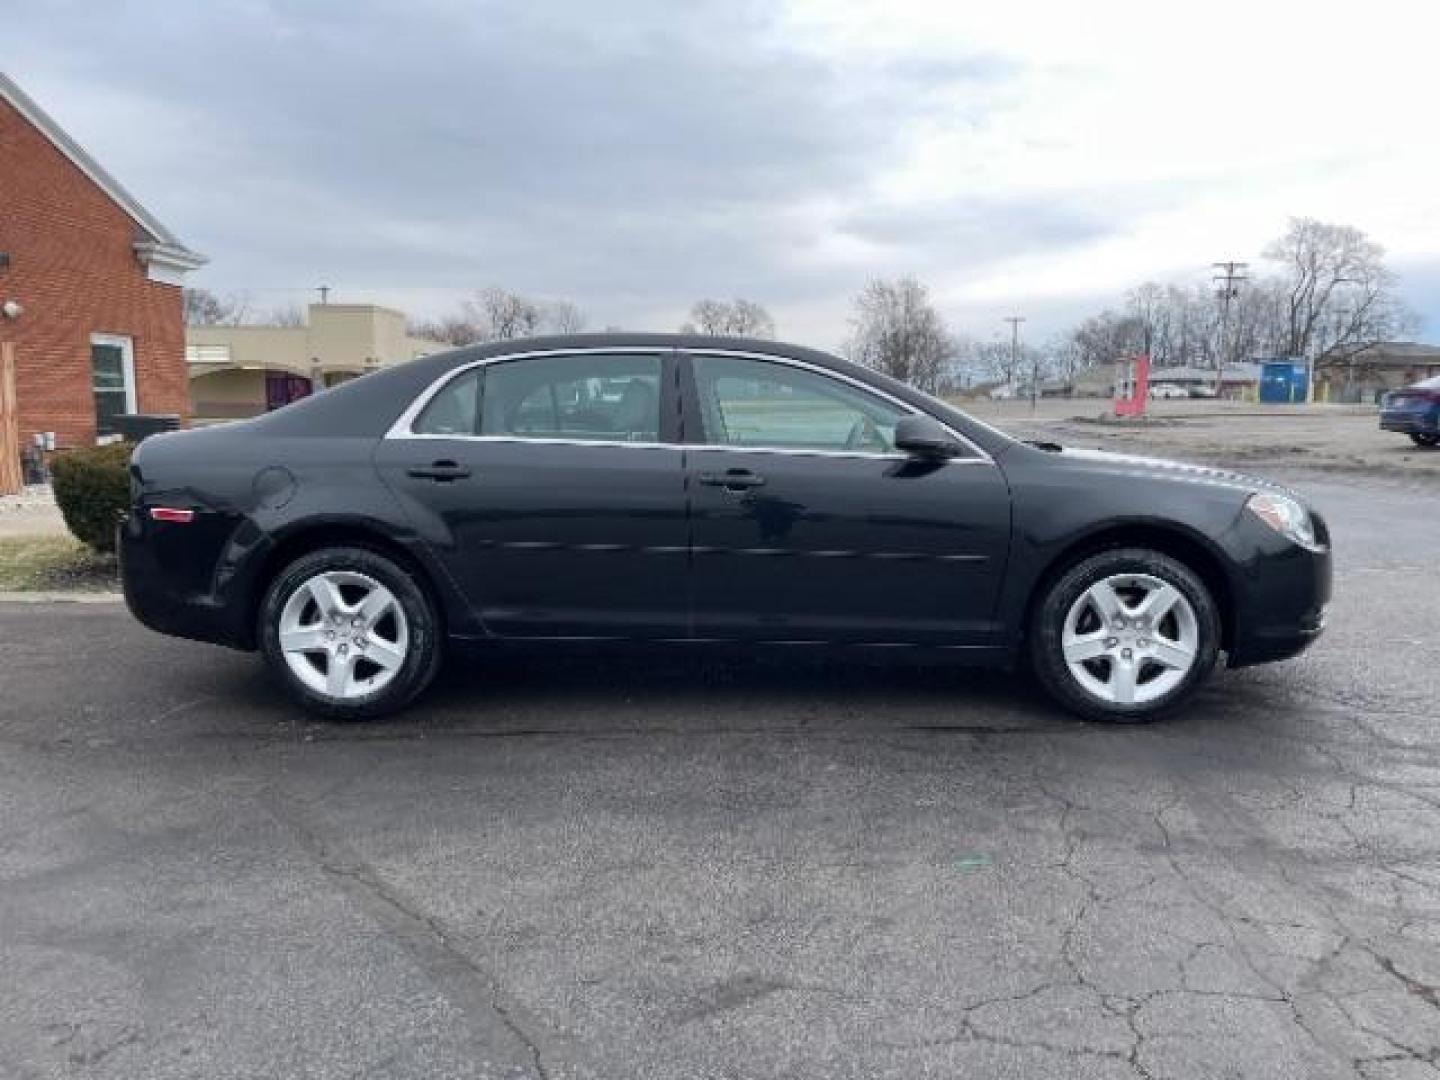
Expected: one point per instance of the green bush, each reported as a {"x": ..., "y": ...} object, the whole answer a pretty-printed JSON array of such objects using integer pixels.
[{"x": 92, "y": 486}]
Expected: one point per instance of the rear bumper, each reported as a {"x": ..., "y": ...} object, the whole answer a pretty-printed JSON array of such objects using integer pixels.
[{"x": 164, "y": 597}]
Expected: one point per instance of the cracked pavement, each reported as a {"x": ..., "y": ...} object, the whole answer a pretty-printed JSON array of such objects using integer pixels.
[{"x": 690, "y": 867}]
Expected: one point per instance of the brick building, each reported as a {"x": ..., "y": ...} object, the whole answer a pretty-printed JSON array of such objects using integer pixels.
[{"x": 89, "y": 286}]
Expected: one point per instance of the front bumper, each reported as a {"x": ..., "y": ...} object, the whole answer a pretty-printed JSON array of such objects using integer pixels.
[{"x": 1281, "y": 608}]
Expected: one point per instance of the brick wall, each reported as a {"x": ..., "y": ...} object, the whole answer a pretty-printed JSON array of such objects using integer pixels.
[{"x": 73, "y": 268}]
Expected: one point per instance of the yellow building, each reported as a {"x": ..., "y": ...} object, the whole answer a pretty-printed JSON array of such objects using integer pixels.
[{"x": 240, "y": 371}]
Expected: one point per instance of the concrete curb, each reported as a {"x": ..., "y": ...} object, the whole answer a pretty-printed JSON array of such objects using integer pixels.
[{"x": 61, "y": 597}]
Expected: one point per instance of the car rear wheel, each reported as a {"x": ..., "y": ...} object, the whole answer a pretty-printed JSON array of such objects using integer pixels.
[
  {"x": 1125, "y": 635},
  {"x": 349, "y": 633},
  {"x": 1424, "y": 438}
]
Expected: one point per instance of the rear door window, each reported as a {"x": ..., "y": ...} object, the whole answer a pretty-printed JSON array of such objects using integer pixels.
[{"x": 589, "y": 397}]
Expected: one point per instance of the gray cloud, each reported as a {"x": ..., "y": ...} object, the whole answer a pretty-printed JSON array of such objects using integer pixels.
[
  {"x": 981, "y": 228},
  {"x": 631, "y": 155}
]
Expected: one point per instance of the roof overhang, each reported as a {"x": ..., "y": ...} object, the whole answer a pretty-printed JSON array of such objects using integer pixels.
[{"x": 167, "y": 263}]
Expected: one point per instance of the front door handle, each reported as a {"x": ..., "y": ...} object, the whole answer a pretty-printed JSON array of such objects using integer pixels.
[
  {"x": 733, "y": 479},
  {"x": 442, "y": 472}
]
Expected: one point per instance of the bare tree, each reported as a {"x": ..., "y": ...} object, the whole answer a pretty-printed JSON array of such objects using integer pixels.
[
  {"x": 1338, "y": 295},
  {"x": 732, "y": 318},
  {"x": 896, "y": 330},
  {"x": 204, "y": 308},
  {"x": 1064, "y": 358},
  {"x": 1321, "y": 260},
  {"x": 999, "y": 362},
  {"x": 1104, "y": 338},
  {"x": 563, "y": 317},
  {"x": 287, "y": 315},
  {"x": 451, "y": 330},
  {"x": 499, "y": 315},
  {"x": 1149, "y": 313}
]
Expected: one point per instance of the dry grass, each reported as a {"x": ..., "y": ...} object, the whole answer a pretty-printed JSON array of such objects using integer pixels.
[{"x": 42, "y": 563}]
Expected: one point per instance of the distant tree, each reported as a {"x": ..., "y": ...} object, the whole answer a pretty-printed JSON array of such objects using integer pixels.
[
  {"x": 1337, "y": 289},
  {"x": 732, "y": 318},
  {"x": 288, "y": 315},
  {"x": 563, "y": 317},
  {"x": 1333, "y": 294},
  {"x": 1104, "y": 338},
  {"x": 450, "y": 329},
  {"x": 896, "y": 330},
  {"x": 496, "y": 314},
  {"x": 1063, "y": 358},
  {"x": 204, "y": 308},
  {"x": 500, "y": 315}
]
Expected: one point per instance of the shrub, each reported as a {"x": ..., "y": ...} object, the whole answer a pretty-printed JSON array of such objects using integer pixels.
[{"x": 92, "y": 486}]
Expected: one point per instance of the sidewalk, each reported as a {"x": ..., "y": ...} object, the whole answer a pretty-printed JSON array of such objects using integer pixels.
[{"x": 31, "y": 513}]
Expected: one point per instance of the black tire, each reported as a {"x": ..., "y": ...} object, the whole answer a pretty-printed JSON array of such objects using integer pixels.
[
  {"x": 423, "y": 655},
  {"x": 1047, "y": 624},
  {"x": 1424, "y": 438}
]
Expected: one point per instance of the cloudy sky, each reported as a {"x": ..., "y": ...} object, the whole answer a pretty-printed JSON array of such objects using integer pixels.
[{"x": 1033, "y": 158}]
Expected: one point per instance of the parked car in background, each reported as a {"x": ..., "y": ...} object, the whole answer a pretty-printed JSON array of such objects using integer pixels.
[
  {"x": 674, "y": 489},
  {"x": 1168, "y": 390},
  {"x": 1202, "y": 391},
  {"x": 1414, "y": 411}
]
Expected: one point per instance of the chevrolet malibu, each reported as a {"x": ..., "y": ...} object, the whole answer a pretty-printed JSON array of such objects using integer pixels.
[{"x": 663, "y": 489}]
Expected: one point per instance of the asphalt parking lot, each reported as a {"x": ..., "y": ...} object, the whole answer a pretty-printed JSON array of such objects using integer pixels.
[{"x": 695, "y": 868}]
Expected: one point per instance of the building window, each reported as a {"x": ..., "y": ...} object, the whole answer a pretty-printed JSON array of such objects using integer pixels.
[
  {"x": 207, "y": 354},
  {"x": 112, "y": 378}
]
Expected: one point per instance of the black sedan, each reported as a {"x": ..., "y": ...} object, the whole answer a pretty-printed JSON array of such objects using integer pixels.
[
  {"x": 1414, "y": 411},
  {"x": 679, "y": 489}
]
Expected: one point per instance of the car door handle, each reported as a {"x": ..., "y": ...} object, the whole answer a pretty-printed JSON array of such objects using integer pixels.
[
  {"x": 733, "y": 479},
  {"x": 442, "y": 472}
]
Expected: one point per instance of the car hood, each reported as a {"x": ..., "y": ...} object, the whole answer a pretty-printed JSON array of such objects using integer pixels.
[{"x": 1163, "y": 469}]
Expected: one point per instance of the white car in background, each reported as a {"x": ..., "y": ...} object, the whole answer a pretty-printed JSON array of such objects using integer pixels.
[{"x": 1168, "y": 390}]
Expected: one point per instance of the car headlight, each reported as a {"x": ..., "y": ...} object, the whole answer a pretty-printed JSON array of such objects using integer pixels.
[{"x": 1285, "y": 516}]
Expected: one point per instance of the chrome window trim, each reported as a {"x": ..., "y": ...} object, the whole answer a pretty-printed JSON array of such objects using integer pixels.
[{"x": 401, "y": 429}]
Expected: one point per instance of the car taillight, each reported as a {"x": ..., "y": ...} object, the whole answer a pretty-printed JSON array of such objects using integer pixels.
[{"x": 172, "y": 514}]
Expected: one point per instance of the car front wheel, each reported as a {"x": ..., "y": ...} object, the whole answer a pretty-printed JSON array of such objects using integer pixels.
[
  {"x": 1125, "y": 635},
  {"x": 1424, "y": 438},
  {"x": 349, "y": 633}
]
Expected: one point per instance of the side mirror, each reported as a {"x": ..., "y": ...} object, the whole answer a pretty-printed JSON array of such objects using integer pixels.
[{"x": 925, "y": 437}]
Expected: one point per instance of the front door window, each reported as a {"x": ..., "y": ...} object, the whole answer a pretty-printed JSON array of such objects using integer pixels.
[
  {"x": 112, "y": 379},
  {"x": 754, "y": 403}
]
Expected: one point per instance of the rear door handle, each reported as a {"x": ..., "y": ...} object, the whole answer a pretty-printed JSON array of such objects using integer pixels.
[
  {"x": 733, "y": 479},
  {"x": 442, "y": 472}
]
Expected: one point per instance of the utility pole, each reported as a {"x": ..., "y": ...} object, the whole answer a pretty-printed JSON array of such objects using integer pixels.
[
  {"x": 1015, "y": 321},
  {"x": 1227, "y": 288},
  {"x": 324, "y": 291}
]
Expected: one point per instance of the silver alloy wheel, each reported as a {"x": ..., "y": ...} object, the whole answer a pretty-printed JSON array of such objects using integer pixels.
[
  {"x": 1130, "y": 639},
  {"x": 344, "y": 634}
]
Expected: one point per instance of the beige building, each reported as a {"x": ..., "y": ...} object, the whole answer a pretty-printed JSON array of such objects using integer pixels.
[
  {"x": 240, "y": 371},
  {"x": 1367, "y": 374}
]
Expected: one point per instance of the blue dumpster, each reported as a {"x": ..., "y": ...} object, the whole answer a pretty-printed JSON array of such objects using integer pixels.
[{"x": 1284, "y": 381}]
